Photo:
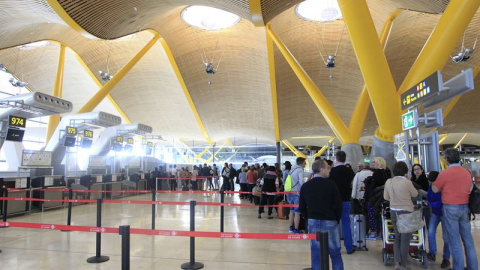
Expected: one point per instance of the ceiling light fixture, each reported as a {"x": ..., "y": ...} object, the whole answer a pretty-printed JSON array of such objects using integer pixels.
[
  {"x": 208, "y": 18},
  {"x": 105, "y": 75},
  {"x": 319, "y": 10}
]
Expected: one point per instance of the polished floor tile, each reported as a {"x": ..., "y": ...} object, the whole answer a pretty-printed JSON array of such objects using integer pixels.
[{"x": 45, "y": 249}]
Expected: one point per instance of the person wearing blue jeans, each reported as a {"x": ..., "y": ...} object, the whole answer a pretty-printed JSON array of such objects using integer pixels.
[
  {"x": 458, "y": 228},
  {"x": 435, "y": 203},
  {"x": 343, "y": 178},
  {"x": 455, "y": 183},
  {"x": 321, "y": 201},
  {"x": 334, "y": 245}
]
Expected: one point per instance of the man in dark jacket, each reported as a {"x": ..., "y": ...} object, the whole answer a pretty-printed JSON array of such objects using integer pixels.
[
  {"x": 321, "y": 201},
  {"x": 343, "y": 177}
]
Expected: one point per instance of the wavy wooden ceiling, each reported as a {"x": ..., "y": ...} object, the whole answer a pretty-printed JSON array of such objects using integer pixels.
[{"x": 238, "y": 102}]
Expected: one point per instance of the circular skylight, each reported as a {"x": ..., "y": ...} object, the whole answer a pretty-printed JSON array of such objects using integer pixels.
[
  {"x": 208, "y": 18},
  {"x": 319, "y": 10}
]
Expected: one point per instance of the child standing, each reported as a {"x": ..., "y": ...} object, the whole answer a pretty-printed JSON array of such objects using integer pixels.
[{"x": 435, "y": 202}]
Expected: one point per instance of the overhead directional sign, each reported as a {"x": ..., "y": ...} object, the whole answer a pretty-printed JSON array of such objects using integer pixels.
[
  {"x": 422, "y": 90},
  {"x": 15, "y": 121},
  {"x": 409, "y": 120}
]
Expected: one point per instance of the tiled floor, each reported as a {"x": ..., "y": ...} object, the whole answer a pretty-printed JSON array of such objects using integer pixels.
[{"x": 45, "y": 249}]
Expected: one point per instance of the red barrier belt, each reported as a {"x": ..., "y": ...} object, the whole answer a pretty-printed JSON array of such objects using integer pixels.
[
  {"x": 58, "y": 227},
  {"x": 245, "y": 205},
  {"x": 184, "y": 178},
  {"x": 44, "y": 200},
  {"x": 146, "y": 202}
]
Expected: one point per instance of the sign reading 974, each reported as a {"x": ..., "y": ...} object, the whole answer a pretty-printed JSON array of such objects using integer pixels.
[
  {"x": 71, "y": 130},
  {"x": 15, "y": 121}
]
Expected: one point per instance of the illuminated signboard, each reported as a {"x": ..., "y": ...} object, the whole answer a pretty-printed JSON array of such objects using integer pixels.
[
  {"x": 15, "y": 135},
  {"x": 119, "y": 139},
  {"x": 150, "y": 144},
  {"x": 71, "y": 130},
  {"x": 421, "y": 91},
  {"x": 130, "y": 140},
  {"x": 88, "y": 133},
  {"x": 409, "y": 120},
  {"x": 15, "y": 121}
]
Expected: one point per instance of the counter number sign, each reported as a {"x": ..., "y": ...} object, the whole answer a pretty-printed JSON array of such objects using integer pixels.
[
  {"x": 119, "y": 139},
  {"x": 15, "y": 121},
  {"x": 88, "y": 133},
  {"x": 130, "y": 141},
  {"x": 71, "y": 130}
]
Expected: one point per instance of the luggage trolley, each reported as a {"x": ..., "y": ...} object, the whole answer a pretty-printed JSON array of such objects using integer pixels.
[{"x": 417, "y": 248}]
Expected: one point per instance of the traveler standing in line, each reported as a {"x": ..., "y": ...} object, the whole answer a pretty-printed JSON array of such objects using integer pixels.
[
  {"x": 270, "y": 185},
  {"x": 358, "y": 186},
  {"x": 288, "y": 167},
  {"x": 399, "y": 191},
  {"x": 322, "y": 202},
  {"x": 297, "y": 175},
  {"x": 226, "y": 175},
  {"x": 231, "y": 176},
  {"x": 242, "y": 177},
  {"x": 343, "y": 177},
  {"x": 251, "y": 181},
  {"x": 216, "y": 176},
  {"x": 205, "y": 174},
  {"x": 379, "y": 177},
  {"x": 455, "y": 183},
  {"x": 435, "y": 202},
  {"x": 419, "y": 178}
]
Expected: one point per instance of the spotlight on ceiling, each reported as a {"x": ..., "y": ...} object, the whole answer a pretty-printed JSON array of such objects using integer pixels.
[
  {"x": 105, "y": 76},
  {"x": 209, "y": 68},
  {"x": 17, "y": 83},
  {"x": 330, "y": 63},
  {"x": 463, "y": 56}
]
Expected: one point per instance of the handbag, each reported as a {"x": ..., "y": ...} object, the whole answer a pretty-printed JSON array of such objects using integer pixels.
[
  {"x": 257, "y": 191},
  {"x": 409, "y": 222}
]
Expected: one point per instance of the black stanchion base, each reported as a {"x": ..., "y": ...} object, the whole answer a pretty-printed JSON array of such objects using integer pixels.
[
  {"x": 307, "y": 268},
  {"x": 65, "y": 231},
  {"x": 99, "y": 259},
  {"x": 189, "y": 266}
]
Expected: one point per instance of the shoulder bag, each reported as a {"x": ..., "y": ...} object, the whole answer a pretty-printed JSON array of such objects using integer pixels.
[{"x": 409, "y": 222}]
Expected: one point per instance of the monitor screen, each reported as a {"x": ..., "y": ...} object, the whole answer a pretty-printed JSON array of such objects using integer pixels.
[
  {"x": 86, "y": 143},
  {"x": 69, "y": 141},
  {"x": 15, "y": 135},
  {"x": 148, "y": 151},
  {"x": 128, "y": 148},
  {"x": 117, "y": 147}
]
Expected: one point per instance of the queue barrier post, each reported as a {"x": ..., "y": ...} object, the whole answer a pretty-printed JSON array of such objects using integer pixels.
[
  {"x": 192, "y": 265},
  {"x": 154, "y": 194},
  {"x": 322, "y": 237},
  {"x": 69, "y": 212},
  {"x": 222, "y": 213},
  {"x": 5, "y": 207},
  {"x": 124, "y": 231},
  {"x": 98, "y": 258}
]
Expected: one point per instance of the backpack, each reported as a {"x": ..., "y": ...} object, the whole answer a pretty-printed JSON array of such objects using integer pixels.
[
  {"x": 474, "y": 202},
  {"x": 369, "y": 183},
  {"x": 288, "y": 182}
]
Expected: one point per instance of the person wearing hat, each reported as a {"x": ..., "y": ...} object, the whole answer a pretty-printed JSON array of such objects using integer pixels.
[{"x": 288, "y": 167}]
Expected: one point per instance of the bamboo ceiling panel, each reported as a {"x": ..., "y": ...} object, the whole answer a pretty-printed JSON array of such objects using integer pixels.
[
  {"x": 427, "y": 6},
  {"x": 238, "y": 100},
  {"x": 109, "y": 19},
  {"x": 272, "y": 8}
]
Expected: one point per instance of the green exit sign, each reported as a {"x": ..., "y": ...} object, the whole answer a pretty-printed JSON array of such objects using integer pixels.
[{"x": 409, "y": 120}]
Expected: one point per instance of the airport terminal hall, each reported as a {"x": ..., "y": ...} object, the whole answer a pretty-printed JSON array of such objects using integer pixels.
[{"x": 239, "y": 134}]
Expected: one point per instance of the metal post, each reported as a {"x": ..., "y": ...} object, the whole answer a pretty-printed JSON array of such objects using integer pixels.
[
  {"x": 69, "y": 213},
  {"x": 279, "y": 152},
  {"x": 5, "y": 205},
  {"x": 98, "y": 258},
  {"x": 222, "y": 213},
  {"x": 192, "y": 265},
  {"x": 154, "y": 194},
  {"x": 322, "y": 237},
  {"x": 124, "y": 231}
]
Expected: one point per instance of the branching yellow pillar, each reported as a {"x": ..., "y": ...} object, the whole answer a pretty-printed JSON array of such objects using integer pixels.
[
  {"x": 105, "y": 90},
  {"x": 256, "y": 12},
  {"x": 293, "y": 149},
  {"x": 363, "y": 104},
  {"x": 326, "y": 109},
  {"x": 324, "y": 148},
  {"x": 442, "y": 41},
  {"x": 57, "y": 92},
  {"x": 374, "y": 67},
  {"x": 273, "y": 87}
]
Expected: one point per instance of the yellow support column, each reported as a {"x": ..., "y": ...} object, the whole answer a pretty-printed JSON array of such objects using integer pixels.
[
  {"x": 374, "y": 67},
  {"x": 105, "y": 90},
  {"x": 57, "y": 92},
  {"x": 256, "y": 12},
  {"x": 326, "y": 109},
  {"x": 324, "y": 148},
  {"x": 273, "y": 87},
  {"x": 363, "y": 104},
  {"x": 461, "y": 140},
  {"x": 293, "y": 149},
  {"x": 442, "y": 41}
]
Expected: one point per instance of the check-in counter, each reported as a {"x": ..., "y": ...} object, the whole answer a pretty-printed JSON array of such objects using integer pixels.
[
  {"x": 23, "y": 183},
  {"x": 139, "y": 179},
  {"x": 48, "y": 182},
  {"x": 93, "y": 182},
  {"x": 111, "y": 184}
]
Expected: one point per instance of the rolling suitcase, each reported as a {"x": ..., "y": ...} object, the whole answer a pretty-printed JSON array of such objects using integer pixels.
[
  {"x": 358, "y": 227},
  {"x": 283, "y": 212}
]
